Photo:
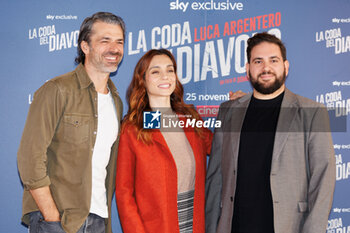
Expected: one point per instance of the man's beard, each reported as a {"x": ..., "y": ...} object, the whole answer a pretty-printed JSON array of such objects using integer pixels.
[{"x": 266, "y": 90}]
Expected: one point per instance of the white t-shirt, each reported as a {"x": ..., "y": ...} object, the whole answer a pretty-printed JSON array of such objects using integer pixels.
[{"x": 107, "y": 131}]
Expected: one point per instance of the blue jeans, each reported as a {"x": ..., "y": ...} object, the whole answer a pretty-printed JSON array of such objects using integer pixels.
[{"x": 92, "y": 224}]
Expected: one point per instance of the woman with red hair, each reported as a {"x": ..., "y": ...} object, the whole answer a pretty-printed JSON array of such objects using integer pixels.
[{"x": 160, "y": 178}]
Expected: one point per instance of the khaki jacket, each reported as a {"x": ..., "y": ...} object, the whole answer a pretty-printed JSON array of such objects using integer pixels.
[{"x": 57, "y": 145}]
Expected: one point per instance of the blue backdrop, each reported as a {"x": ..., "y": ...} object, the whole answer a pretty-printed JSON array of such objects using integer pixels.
[{"x": 208, "y": 38}]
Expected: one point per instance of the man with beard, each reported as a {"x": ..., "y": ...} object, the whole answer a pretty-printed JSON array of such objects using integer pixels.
[
  {"x": 67, "y": 154},
  {"x": 272, "y": 165}
]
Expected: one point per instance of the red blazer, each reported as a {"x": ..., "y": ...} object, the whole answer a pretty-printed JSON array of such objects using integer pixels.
[{"x": 146, "y": 183}]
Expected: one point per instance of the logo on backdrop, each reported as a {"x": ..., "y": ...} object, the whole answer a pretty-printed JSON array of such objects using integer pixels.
[
  {"x": 62, "y": 17},
  {"x": 334, "y": 38},
  {"x": 206, "y": 51},
  {"x": 47, "y": 36},
  {"x": 206, "y": 5},
  {"x": 151, "y": 120},
  {"x": 335, "y": 101},
  {"x": 341, "y": 210},
  {"x": 342, "y": 163},
  {"x": 341, "y": 83},
  {"x": 336, "y": 225},
  {"x": 342, "y": 168}
]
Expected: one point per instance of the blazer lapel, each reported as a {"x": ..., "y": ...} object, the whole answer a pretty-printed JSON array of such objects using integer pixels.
[
  {"x": 158, "y": 138},
  {"x": 237, "y": 113},
  {"x": 289, "y": 109},
  {"x": 234, "y": 118}
]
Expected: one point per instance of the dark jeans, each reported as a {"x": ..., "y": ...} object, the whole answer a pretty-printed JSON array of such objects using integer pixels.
[{"x": 93, "y": 224}]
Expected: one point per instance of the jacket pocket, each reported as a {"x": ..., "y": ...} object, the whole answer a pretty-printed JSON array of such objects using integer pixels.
[
  {"x": 76, "y": 128},
  {"x": 303, "y": 207}
]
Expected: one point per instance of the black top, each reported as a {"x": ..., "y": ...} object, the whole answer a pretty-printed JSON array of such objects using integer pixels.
[{"x": 253, "y": 209}]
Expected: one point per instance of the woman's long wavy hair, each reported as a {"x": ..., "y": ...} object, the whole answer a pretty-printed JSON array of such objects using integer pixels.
[{"x": 138, "y": 99}]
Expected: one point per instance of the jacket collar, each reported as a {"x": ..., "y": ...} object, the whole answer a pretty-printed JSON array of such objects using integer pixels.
[
  {"x": 83, "y": 77},
  {"x": 287, "y": 113},
  {"x": 112, "y": 87},
  {"x": 245, "y": 98},
  {"x": 85, "y": 81}
]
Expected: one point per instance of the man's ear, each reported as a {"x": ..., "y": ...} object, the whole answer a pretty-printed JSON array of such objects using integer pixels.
[
  {"x": 286, "y": 67},
  {"x": 247, "y": 69},
  {"x": 84, "y": 46}
]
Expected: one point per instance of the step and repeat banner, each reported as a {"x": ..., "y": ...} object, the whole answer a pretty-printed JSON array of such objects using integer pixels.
[{"x": 208, "y": 39}]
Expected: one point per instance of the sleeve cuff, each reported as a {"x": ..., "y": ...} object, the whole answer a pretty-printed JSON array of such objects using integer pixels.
[{"x": 37, "y": 184}]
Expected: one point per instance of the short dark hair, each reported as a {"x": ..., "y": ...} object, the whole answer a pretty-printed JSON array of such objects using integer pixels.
[
  {"x": 265, "y": 37},
  {"x": 86, "y": 27}
]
